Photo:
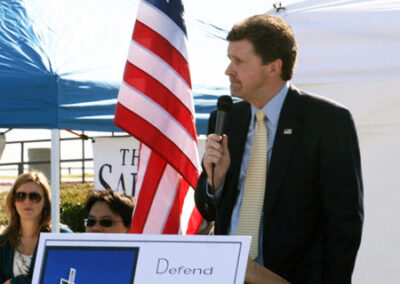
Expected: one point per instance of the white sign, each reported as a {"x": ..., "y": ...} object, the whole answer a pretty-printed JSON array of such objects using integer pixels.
[
  {"x": 115, "y": 162},
  {"x": 140, "y": 259}
]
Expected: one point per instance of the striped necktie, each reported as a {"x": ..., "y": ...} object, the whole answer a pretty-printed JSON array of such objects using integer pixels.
[{"x": 254, "y": 186}]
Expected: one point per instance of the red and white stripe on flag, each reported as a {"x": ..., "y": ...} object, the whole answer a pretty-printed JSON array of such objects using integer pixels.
[{"x": 155, "y": 105}]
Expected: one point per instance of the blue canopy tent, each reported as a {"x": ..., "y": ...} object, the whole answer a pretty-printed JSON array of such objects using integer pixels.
[{"x": 61, "y": 63}]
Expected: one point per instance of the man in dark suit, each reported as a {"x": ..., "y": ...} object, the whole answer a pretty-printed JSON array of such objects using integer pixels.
[{"x": 312, "y": 213}]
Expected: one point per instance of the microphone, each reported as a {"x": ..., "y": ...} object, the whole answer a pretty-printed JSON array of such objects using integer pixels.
[{"x": 224, "y": 106}]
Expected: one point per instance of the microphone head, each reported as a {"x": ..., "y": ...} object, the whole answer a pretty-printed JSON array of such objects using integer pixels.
[{"x": 224, "y": 103}]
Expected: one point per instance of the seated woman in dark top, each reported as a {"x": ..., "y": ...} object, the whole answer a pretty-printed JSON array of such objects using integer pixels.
[
  {"x": 28, "y": 209},
  {"x": 108, "y": 212}
]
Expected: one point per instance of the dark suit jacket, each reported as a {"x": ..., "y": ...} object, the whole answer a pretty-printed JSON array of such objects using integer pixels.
[
  {"x": 6, "y": 266},
  {"x": 313, "y": 207},
  {"x": 6, "y": 263}
]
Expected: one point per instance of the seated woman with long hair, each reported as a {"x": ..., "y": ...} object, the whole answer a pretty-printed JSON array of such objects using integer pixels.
[{"x": 28, "y": 209}]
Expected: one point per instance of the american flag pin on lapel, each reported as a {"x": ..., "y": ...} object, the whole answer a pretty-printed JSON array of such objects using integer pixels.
[{"x": 287, "y": 131}]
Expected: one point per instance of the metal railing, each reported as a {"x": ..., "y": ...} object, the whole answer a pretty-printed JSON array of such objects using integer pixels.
[{"x": 20, "y": 165}]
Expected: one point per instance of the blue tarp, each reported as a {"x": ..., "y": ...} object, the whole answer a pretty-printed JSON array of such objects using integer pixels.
[{"x": 61, "y": 62}]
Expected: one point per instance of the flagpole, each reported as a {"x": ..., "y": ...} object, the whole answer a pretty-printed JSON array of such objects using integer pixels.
[{"x": 55, "y": 180}]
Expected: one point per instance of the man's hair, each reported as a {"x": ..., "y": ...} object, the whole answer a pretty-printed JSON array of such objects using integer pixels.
[
  {"x": 119, "y": 204},
  {"x": 272, "y": 39}
]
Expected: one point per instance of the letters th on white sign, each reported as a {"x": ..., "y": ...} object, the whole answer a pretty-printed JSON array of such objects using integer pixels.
[{"x": 115, "y": 162}]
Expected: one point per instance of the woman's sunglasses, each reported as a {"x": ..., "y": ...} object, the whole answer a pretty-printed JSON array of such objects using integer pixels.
[
  {"x": 106, "y": 223},
  {"x": 34, "y": 197}
]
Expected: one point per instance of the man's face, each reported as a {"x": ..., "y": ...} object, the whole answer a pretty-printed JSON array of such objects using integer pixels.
[{"x": 247, "y": 74}]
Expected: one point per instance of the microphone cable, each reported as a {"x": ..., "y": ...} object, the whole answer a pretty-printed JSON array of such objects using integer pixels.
[{"x": 216, "y": 231}]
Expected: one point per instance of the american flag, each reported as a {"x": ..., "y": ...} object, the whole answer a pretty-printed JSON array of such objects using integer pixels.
[{"x": 155, "y": 105}]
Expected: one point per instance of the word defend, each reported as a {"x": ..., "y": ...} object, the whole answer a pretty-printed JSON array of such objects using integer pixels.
[{"x": 163, "y": 267}]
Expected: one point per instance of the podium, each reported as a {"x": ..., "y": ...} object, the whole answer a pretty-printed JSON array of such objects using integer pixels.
[{"x": 257, "y": 274}]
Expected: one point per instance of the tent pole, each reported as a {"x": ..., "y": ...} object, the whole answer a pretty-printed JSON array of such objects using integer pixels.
[{"x": 55, "y": 180}]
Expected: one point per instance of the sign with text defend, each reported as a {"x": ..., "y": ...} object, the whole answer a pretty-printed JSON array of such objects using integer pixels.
[{"x": 140, "y": 259}]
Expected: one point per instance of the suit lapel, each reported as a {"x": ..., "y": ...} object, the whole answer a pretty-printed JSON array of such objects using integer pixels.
[{"x": 287, "y": 134}]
